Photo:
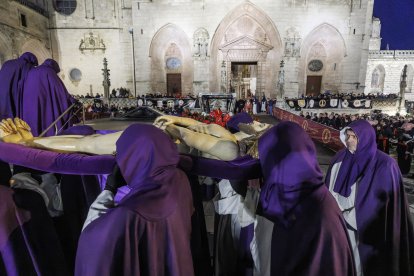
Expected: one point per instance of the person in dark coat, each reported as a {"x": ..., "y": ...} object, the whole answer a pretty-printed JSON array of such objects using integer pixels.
[
  {"x": 309, "y": 234},
  {"x": 12, "y": 76},
  {"x": 45, "y": 98},
  {"x": 368, "y": 188},
  {"x": 148, "y": 232}
]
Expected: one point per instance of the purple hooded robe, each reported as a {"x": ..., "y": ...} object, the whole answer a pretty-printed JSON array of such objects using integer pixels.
[
  {"x": 12, "y": 76},
  {"x": 384, "y": 230},
  {"x": 148, "y": 233},
  {"x": 309, "y": 234},
  {"x": 29, "y": 244},
  {"x": 45, "y": 98}
]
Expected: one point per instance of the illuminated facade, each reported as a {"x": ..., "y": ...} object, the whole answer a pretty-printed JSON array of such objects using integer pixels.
[{"x": 186, "y": 46}]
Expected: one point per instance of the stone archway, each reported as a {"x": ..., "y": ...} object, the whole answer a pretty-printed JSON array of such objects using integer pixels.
[
  {"x": 170, "y": 53},
  {"x": 246, "y": 34},
  {"x": 5, "y": 49},
  {"x": 326, "y": 46},
  {"x": 37, "y": 48}
]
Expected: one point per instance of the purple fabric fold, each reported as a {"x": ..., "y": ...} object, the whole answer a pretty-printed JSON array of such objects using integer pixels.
[
  {"x": 242, "y": 168},
  {"x": 12, "y": 77},
  {"x": 233, "y": 123},
  {"x": 45, "y": 98},
  {"x": 29, "y": 244},
  {"x": 78, "y": 130},
  {"x": 66, "y": 163}
]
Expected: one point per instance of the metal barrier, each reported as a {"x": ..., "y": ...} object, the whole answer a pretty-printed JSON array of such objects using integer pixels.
[{"x": 54, "y": 124}]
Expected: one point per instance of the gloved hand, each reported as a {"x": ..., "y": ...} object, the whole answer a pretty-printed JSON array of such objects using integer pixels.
[{"x": 115, "y": 180}]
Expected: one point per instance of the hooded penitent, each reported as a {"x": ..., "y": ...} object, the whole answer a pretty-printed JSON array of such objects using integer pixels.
[
  {"x": 384, "y": 230},
  {"x": 148, "y": 233},
  {"x": 45, "y": 98},
  {"x": 12, "y": 76},
  {"x": 29, "y": 244},
  {"x": 309, "y": 234}
]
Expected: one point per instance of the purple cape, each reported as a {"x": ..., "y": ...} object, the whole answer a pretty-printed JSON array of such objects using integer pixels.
[
  {"x": 29, "y": 244},
  {"x": 45, "y": 98},
  {"x": 12, "y": 76},
  {"x": 148, "y": 233},
  {"x": 233, "y": 123},
  {"x": 309, "y": 234},
  {"x": 385, "y": 232}
]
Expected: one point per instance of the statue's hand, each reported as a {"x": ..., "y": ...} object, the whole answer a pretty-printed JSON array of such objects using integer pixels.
[
  {"x": 9, "y": 133},
  {"x": 163, "y": 121},
  {"x": 24, "y": 129}
]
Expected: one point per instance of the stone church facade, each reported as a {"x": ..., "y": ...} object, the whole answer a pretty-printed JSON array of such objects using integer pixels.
[{"x": 273, "y": 48}]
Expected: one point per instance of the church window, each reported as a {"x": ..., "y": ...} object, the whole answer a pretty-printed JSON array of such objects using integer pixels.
[
  {"x": 375, "y": 79},
  {"x": 410, "y": 79},
  {"x": 75, "y": 74},
  {"x": 23, "y": 20},
  {"x": 65, "y": 7}
]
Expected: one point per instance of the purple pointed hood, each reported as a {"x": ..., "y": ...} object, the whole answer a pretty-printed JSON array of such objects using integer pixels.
[
  {"x": 52, "y": 64},
  {"x": 290, "y": 170},
  {"x": 145, "y": 153},
  {"x": 353, "y": 165},
  {"x": 29, "y": 58}
]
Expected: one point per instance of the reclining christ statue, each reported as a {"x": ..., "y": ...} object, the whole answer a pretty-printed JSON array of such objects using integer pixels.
[{"x": 212, "y": 140}]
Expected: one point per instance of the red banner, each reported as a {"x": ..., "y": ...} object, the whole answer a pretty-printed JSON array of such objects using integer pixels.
[{"x": 321, "y": 133}]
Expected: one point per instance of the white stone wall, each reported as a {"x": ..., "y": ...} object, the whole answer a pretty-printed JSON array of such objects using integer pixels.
[
  {"x": 393, "y": 63},
  {"x": 344, "y": 32},
  {"x": 107, "y": 20},
  {"x": 303, "y": 15},
  {"x": 15, "y": 38}
]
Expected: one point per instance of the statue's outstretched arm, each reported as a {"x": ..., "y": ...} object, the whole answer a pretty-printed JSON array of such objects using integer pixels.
[
  {"x": 18, "y": 131},
  {"x": 220, "y": 148},
  {"x": 165, "y": 120}
]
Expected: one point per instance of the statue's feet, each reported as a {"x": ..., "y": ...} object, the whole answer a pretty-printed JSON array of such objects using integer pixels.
[
  {"x": 24, "y": 129},
  {"x": 9, "y": 133}
]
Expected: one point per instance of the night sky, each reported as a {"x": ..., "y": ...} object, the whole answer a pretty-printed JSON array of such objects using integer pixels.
[{"x": 397, "y": 23}]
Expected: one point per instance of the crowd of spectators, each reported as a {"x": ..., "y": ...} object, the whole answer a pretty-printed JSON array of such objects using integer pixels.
[{"x": 327, "y": 95}]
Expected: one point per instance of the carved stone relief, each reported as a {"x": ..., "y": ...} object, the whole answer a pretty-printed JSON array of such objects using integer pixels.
[
  {"x": 292, "y": 43},
  {"x": 317, "y": 51},
  {"x": 91, "y": 42},
  {"x": 200, "y": 43},
  {"x": 376, "y": 28},
  {"x": 245, "y": 49}
]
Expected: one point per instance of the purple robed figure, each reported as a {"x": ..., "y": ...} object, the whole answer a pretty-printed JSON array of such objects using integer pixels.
[
  {"x": 12, "y": 76},
  {"x": 45, "y": 98},
  {"x": 367, "y": 185},
  {"x": 148, "y": 232},
  {"x": 309, "y": 233},
  {"x": 29, "y": 244}
]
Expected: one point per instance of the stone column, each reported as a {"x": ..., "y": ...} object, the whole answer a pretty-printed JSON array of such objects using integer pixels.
[{"x": 403, "y": 85}]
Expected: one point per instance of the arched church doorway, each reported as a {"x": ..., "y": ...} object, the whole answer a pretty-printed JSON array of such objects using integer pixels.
[
  {"x": 174, "y": 85},
  {"x": 313, "y": 85},
  {"x": 245, "y": 37},
  {"x": 243, "y": 79}
]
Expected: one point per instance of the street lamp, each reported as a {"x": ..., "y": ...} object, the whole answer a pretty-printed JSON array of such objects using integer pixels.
[{"x": 131, "y": 31}]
